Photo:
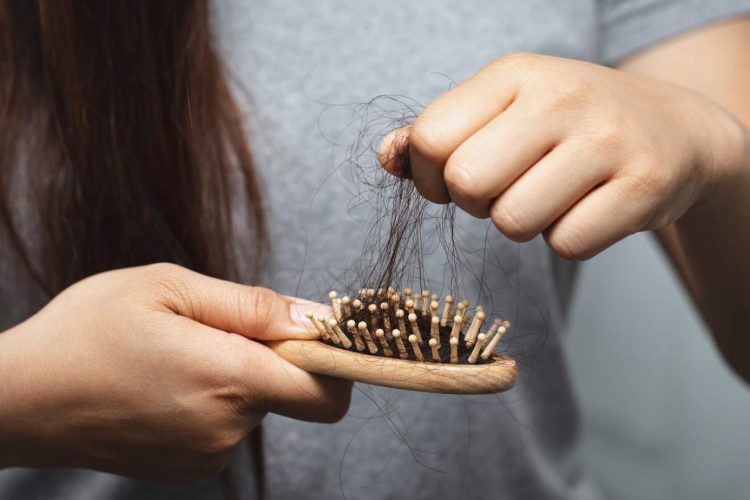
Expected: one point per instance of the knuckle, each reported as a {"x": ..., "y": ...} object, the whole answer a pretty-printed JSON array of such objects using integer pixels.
[
  {"x": 658, "y": 219},
  {"x": 259, "y": 308},
  {"x": 537, "y": 110},
  {"x": 333, "y": 404},
  {"x": 233, "y": 392},
  {"x": 215, "y": 445},
  {"x": 568, "y": 244},
  {"x": 217, "y": 442},
  {"x": 460, "y": 181},
  {"x": 163, "y": 269},
  {"x": 243, "y": 395},
  {"x": 519, "y": 60},
  {"x": 429, "y": 140},
  {"x": 568, "y": 93},
  {"x": 168, "y": 283},
  {"x": 512, "y": 222},
  {"x": 609, "y": 130},
  {"x": 645, "y": 216},
  {"x": 647, "y": 181},
  {"x": 166, "y": 274},
  {"x": 336, "y": 408},
  {"x": 208, "y": 452}
]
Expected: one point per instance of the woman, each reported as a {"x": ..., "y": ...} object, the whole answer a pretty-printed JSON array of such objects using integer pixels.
[{"x": 122, "y": 147}]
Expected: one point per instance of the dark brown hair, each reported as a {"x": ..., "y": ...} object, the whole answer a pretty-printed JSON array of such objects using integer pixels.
[{"x": 120, "y": 141}]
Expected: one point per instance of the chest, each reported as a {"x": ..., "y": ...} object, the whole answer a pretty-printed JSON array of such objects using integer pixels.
[{"x": 310, "y": 72}]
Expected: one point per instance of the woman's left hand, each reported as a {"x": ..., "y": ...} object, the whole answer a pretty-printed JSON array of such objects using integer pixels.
[{"x": 582, "y": 153}]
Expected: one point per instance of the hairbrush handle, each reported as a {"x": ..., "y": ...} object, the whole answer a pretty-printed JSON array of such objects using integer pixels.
[{"x": 497, "y": 375}]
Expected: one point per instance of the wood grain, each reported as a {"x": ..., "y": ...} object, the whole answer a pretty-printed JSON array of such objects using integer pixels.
[{"x": 498, "y": 375}]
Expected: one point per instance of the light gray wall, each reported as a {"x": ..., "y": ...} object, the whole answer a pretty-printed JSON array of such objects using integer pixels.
[{"x": 663, "y": 416}]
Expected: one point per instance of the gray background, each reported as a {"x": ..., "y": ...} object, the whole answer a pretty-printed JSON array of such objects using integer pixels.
[{"x": 663, "y": 417}]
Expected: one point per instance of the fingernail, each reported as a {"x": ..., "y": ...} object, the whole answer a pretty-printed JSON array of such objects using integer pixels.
[
  {"x": 298, "y": 310},
  {"x": 297, "y": 300}
]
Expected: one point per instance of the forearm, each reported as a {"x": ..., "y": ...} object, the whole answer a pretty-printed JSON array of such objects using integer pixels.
[
  {"x": 16, "y": 402},
  {"x": 710, "y": 247},
  {"x": 35, "y": 395}
]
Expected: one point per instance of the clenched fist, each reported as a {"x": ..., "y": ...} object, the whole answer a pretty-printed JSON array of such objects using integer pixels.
[{"x": 584, "y": 154}]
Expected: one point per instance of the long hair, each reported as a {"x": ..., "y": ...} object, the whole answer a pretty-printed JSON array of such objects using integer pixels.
[{"x": 120, "y": 141}]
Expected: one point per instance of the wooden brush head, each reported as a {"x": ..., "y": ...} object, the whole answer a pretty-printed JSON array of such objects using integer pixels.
[{"x": 408, "y": 341}]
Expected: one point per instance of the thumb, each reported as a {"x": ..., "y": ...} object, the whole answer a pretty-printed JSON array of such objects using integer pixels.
[
  {"x": 393, "y": 153},
  {"x": 253, "y": 312}
]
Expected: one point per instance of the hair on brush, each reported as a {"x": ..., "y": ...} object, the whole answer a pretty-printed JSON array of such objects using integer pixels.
[
  {"x": 387, "y": 338},
  {"x": 382, "y": 334}
]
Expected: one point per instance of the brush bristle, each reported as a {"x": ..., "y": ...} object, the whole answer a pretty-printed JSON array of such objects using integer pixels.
[{"x": 390, "y": 323}]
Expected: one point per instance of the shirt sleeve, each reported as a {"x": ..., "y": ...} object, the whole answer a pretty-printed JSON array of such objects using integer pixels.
[{"x": 628, "y": 26}]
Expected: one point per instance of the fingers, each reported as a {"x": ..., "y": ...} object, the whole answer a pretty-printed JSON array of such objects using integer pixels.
[
  {"x": 206, "y": 308},
  {"x": 275, "y": 385},
  {"x": 393, "y": 153},
  {"x": 604, "y": 217},
  {"x": 489, "y": 161},
  {"x": 473, "y": 166},
  {"x": 448, "y": 121},
  {"x": 253, "y": 379},
  {"x": 253, "y": 312},
  {"x": 546, "y": 191},
  {"x": 472, "y": 142}
]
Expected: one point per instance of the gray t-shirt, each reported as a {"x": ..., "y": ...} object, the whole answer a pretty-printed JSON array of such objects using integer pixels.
[{"x": 305, "y": 66}]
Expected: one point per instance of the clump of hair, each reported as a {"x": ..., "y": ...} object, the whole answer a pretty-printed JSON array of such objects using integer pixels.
[
  {"x": 404, "y": 224},
  {"x": 410, "y": 326},
  {"x": 402, "y": 231}
]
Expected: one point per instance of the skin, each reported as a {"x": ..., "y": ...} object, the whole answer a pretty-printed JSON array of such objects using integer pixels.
[
  {"x": 586, "y": 155},
  {"x": 158, "y": 372},
  {"x": 154, "y": 372},
  {"x": 716, "y": 275}
]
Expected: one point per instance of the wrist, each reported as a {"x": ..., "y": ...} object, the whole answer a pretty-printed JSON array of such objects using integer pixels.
[
  {"x": 24, "y": 439},
  {"x": 11, "y": 446},
  {"x": 728, "y": 166}
]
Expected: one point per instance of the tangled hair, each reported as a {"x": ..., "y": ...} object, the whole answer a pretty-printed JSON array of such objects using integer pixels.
[
  {"x": 403, "y": 228},
  {"x": 120, "y": 142},
  {"x": 121, "y": 145},
  {"x": 408, "y": 241}
]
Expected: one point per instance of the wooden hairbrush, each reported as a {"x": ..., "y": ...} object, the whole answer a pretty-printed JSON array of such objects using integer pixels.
[{"x": 398, "y": 340}]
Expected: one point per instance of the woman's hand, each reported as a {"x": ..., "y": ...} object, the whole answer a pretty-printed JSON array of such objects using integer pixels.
[
  {"x": 582, "y": 153},
  {"x": 153, "y": 372}
]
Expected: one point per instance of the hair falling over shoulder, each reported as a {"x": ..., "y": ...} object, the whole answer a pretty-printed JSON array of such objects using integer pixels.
[{"x": 120, "y": 141}]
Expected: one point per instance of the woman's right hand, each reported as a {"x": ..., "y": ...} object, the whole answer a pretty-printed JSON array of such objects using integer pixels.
[{"x": 153, "y": 372}]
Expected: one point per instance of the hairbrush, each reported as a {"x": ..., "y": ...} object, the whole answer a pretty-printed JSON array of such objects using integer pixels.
[{"x": 406, "y": 341}]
